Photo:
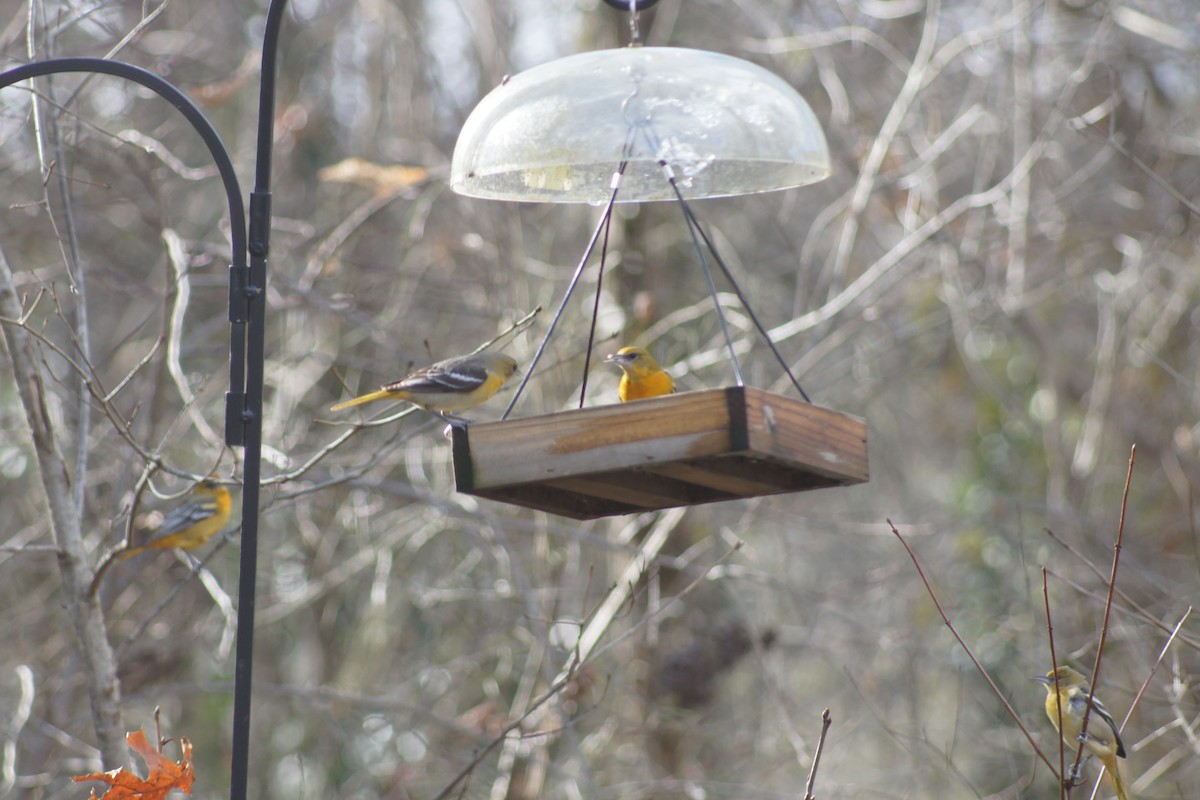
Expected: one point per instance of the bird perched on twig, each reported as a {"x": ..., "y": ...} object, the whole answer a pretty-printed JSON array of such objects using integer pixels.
[
  {"x": 642, "y": 376},
  {"x": 192, "y": 523},
  {"x": 1103, "y": 739},
  {"x": 446, "y": 387}
]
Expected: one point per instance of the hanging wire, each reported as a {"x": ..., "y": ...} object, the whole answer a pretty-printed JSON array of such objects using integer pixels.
[
  {"x": 741, "y": 296},
  {"x": 641, "y": 126},
  {"x": 694, "y": 228},
  {"x": 656, "y": 145},
  {"x": 600, "y": 226},
  {"x": 692, "y": 225},
  {"x": 587, "y": 360}
]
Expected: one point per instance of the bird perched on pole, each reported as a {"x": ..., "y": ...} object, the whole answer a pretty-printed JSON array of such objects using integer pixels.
[
  {"x": 446, "y": 387},
  {"x": 1069, "y": 695},
  {"x": 191, "y": 524},
  {"x": 642, "y": 377}
]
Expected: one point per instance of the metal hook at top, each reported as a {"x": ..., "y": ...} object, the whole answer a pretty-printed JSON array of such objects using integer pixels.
[{"x": 634, "y": 7}]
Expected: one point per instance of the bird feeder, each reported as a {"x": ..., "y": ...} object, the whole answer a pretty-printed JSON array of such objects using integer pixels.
[
  {"x": 641, "y": 124},
  {"x": 677, "y": 450}
]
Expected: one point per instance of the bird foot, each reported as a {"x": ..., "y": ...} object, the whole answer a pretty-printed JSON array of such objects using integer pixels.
[
  {"x": 451, "y": 419},
  {"x": 452, "y": 423},
  {"x": 1075, "y": 772}
]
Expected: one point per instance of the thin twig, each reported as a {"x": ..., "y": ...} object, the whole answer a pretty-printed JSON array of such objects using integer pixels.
[
  {"x": 1062, "y": 785},
  {"x": 356, "y": 427},
  {"x": 1161, "y": 655},
  {"x": 174, "y": 591},
  {"x": 148, "y": 470},
  {"x": 966, "y": 648},
  {"x": 1112, "y": 581},
  {"x": 96, "y": 389},
  {"x": 826, "y": 721},
  {"x": 623, "y": 587},
  {"x": 512, "y": 330},
  {"x": 158, "y": 737},
  {"x": 1133, "y": 609},
  {"x": 502, "y": 736},
  {"x": 146, "y": 359},
  {"x": 182, "y": 293}
]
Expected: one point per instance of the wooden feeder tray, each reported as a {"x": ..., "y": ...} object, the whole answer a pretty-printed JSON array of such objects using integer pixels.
[{"x": 678, "y": 450}]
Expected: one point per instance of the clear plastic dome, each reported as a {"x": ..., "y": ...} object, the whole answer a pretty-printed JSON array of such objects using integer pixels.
[{"x": 557, "y": 132}]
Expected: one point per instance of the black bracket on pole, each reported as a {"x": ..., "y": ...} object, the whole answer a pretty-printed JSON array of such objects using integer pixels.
[{"x": 254, "y": 295}]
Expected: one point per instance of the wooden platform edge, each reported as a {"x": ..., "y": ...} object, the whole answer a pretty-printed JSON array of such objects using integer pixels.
[{"x": 753, "y": 424}]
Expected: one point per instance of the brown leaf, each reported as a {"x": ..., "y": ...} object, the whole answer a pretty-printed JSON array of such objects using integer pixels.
[
  {"x": 382, "y": 180},
  {"x": 219, "y": 92},
  {"x": 163, "y": 773}
]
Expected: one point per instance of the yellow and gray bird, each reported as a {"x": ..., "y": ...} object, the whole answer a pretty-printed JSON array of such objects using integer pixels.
[
  {"x": 446, "y": 387},
  {"x": 192, "y": 523},
  {"x": 642, "y": 376},
  {"x": 1070, "y": 698}
]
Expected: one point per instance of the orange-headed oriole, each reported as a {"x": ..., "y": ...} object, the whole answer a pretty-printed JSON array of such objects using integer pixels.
[
  {"x": 1103, "y": 740},
  {"x": 187, "y": 526},
  {"x": 642, "y": 377},
  {"x": 455, "y": 384}
]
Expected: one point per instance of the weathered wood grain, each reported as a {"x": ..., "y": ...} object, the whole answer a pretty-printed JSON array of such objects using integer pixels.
[{"x": 683, "y": 449}]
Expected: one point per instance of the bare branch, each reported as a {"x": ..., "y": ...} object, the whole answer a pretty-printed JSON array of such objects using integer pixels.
[
  {"x": 85, "y": 613},
  {"x": 826, "y": 721},
  {"x": 1112, "y": 582},
  {"x": 1062, "y": 784},
  {"x": 966, "y": 648}
]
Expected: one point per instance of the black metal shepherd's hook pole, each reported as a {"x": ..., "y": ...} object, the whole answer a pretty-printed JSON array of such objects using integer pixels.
[
  {"x": 251, "y": 407},
  {"x": 247, "y": 317},
  {"x": 229, "y": 181}
]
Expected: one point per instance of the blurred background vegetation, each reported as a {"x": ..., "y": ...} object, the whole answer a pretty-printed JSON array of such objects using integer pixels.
[{"x": 1001, "y": 276}]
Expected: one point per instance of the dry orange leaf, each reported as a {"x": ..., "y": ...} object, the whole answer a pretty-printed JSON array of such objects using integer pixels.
[
  {"x": 163, "y": 773},
  {"x": 219, "y": 92},
  {"x": 382, "y": 180}
]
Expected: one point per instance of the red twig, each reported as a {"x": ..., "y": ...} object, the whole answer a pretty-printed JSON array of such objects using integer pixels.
[
  {"x": 995, "y": 689},
  {"x": 1062, "y": 784},
  {"x": 1112, "y": 581}
]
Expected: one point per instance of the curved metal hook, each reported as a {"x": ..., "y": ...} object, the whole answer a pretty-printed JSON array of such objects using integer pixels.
[{"x": 168, "y": 91}]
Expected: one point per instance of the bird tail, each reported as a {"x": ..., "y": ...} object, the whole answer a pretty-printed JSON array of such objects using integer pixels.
[
  {"x": 1110, "y": 766},
  {"x": 366, "y": 398}
]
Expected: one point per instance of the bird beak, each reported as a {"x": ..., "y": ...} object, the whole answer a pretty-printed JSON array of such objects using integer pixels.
[
  {"x": 1042, "y": 679},
  {"x": 614, "y": 358}
]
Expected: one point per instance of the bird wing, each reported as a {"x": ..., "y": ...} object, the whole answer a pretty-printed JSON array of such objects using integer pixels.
[
  {"x": 460, "y": 377},
  {"x": 1079, "y": 700},
  {"x": 187, "y": 514}
]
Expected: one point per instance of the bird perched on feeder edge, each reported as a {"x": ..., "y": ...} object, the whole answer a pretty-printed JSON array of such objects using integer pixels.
[
  {"x": 448, "y": 386},
  {"x": 1103, "y": 739},
  {"x": 642, "y": 376},
  {"x": 194, "y": 522}
]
